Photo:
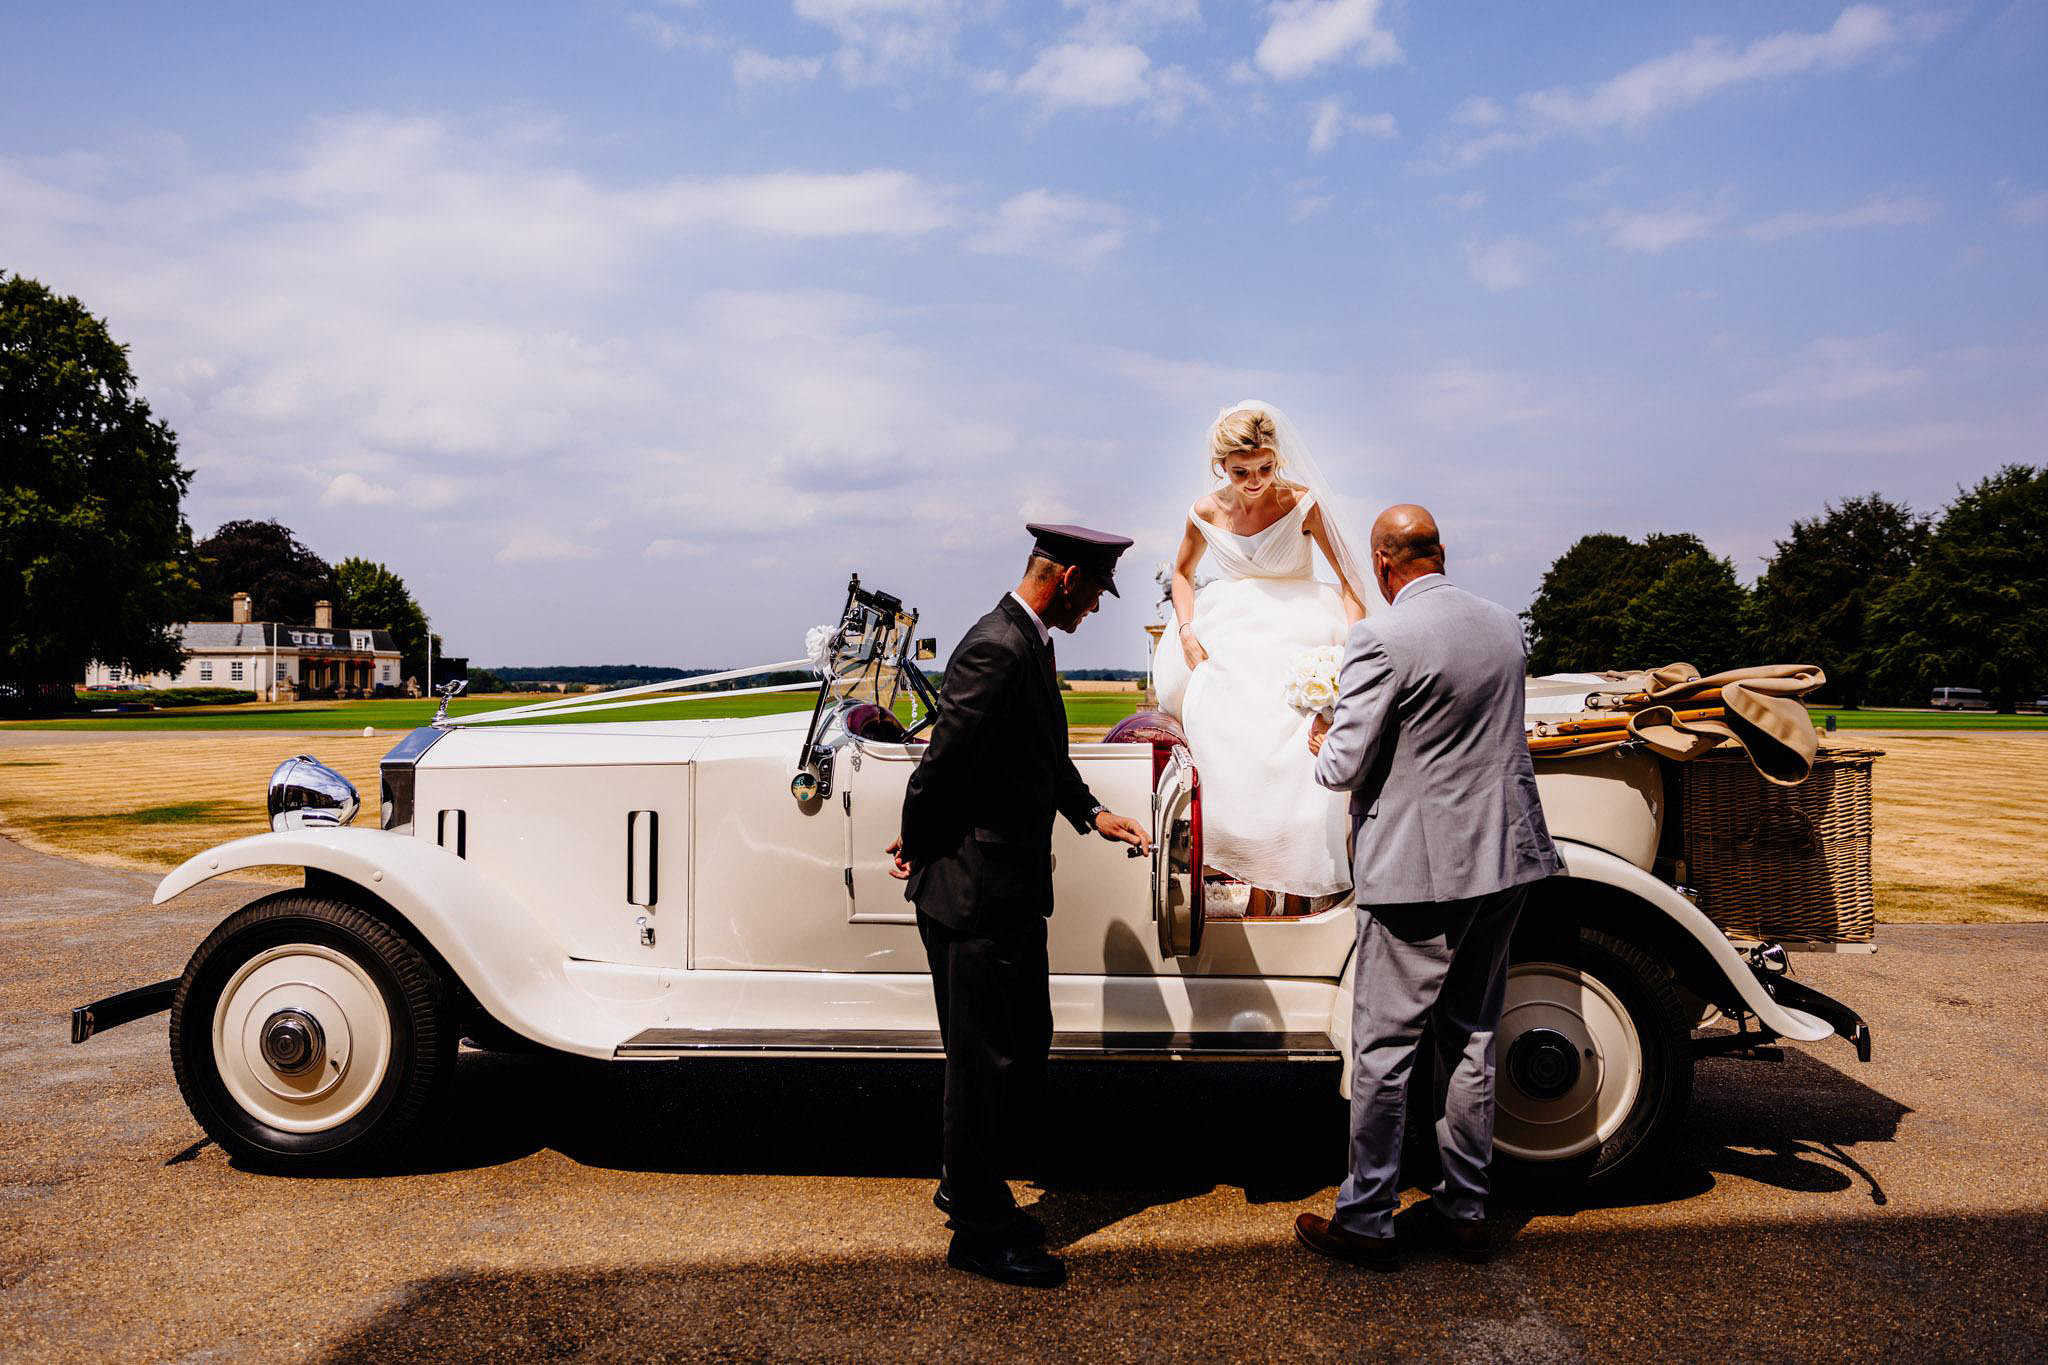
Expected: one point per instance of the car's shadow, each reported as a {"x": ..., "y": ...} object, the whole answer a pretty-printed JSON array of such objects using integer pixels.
[{"x": 1113, "y": 1139}]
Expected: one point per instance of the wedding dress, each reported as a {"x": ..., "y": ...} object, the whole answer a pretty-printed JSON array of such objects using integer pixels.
[{"x": 1265, "y": 820}]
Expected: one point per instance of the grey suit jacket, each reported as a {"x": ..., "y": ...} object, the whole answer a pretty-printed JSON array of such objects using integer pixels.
[{"x": 1428, "y": 740}]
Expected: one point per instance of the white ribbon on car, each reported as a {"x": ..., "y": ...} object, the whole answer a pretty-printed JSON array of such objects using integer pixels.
[{"x": 624, "y": 697}]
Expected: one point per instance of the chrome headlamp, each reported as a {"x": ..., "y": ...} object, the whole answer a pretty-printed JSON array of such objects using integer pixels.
[{"x": 306, "y": 793}]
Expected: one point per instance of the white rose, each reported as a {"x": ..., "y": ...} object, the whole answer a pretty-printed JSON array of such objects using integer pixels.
[{"x": 1319, "y": 695}]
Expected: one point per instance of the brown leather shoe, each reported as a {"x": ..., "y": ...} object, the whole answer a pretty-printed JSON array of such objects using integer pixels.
[
  {"x": 1468, "y": 1239},
  {"x": 1320, "y": 1234}
]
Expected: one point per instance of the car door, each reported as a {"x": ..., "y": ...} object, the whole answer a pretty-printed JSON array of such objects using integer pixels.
[{"x": 1178, "y": 912}]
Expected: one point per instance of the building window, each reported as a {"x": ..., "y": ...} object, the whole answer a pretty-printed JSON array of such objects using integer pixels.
[
  {"x": 235, "y": 671},
  {"x": 387, "y": 672},
  {"x": 113, "y": 675},
  {"x": 359, "y": 639},
  {"x": 206, "y": 670},
  {"x": 280, "y": 673}
]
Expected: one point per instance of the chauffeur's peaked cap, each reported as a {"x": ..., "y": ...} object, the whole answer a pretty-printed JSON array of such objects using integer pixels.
[{"x": 1093, "y": 552}]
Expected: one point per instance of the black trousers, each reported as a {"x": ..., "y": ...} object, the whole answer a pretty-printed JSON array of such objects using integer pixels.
[{"x": 995, "y": 1018}]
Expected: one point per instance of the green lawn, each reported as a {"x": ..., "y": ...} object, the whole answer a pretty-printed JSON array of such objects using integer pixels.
[
  {"x": 1929, "y": 720},
  {"x": 1083, "y": 708}
]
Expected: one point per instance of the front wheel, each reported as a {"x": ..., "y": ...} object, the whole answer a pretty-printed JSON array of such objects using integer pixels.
[{"x": 308, "y": 1032}]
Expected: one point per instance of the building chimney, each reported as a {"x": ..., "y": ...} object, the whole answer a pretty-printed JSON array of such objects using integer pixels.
[
  {"x": 323, "y": 615},
  {"x": 241, "y": 609}
]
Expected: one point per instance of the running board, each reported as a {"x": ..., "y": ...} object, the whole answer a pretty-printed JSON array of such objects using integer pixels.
[{"x": 1202, "y": 1047}]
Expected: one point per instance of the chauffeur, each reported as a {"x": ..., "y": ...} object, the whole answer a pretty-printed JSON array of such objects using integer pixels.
[{"x": 975, "y": 848}]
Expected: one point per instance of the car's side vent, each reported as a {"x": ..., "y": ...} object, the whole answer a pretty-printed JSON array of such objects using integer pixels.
[
  {"x": 643, "y": 856},
  {"x": 451, "y": 831}
]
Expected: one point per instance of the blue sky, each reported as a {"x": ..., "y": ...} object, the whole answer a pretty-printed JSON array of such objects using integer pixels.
[{"x": 626, "y": 330}]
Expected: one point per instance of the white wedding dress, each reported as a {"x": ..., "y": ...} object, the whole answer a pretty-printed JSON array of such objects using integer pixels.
[{"x": 1265, "y": 820}]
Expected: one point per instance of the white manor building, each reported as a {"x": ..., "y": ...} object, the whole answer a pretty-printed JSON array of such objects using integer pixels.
[{"x": 276, "y": 661}]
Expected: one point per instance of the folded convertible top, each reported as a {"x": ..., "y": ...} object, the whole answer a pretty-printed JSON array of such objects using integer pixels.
[{"x": 1680, "y": 714}]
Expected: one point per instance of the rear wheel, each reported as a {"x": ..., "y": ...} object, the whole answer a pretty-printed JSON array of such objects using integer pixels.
[
  {"x": 1592, "y": 1067},
  {"x": 307, "y": 1032}
]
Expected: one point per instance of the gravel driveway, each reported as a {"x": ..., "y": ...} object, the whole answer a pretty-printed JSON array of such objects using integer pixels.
[{"x": 1816, "y": 1208}]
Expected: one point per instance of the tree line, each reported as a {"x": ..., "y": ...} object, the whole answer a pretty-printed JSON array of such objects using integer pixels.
[
  {"x": 1889, "y": 603},
  {"x": 97, "y": 561}
]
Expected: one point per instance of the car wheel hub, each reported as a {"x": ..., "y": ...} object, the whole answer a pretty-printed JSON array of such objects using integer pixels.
[
  {"x": 302, "y": 1037},
  {"x": 293, "y": 1043},
  {"x": 1543, "y": 1064},
  {"x": 1573, "y": 1063}
]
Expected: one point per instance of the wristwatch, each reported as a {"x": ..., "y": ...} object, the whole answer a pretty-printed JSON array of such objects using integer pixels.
[{"x": 1099, "y": 809}]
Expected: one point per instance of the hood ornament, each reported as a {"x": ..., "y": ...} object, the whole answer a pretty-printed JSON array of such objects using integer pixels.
[{"x": 447, "y": 691}]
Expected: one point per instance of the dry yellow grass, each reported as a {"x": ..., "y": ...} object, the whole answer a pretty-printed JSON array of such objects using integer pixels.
[
  {"x": 152, "y": 802},
  {"x": 1960, "y": 824},
  {"x": 1959, "y": 817}
]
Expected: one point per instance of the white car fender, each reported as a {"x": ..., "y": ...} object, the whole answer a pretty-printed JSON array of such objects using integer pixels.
[
  {"x": 1586, "y": 863},
  {"x": 504, "y": 953}
]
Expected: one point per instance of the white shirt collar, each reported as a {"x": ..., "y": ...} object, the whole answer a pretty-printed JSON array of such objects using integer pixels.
[
  {"x": 1044, "y": 635},
  {"x": 1412, "y": 585}
]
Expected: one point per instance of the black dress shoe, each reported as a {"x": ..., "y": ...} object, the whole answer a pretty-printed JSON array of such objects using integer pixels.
[
  {"x": 1320, "y": 1234},
  {"x": 1009, "y": 1262},
  {"x": 1022, "y": 1224}
]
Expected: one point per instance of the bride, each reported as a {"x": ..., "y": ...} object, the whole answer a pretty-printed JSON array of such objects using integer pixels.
[{"x": 1223, "y": 668}]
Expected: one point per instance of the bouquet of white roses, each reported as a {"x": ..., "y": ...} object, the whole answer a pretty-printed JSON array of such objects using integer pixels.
[{"x": 1311, "y": 685}]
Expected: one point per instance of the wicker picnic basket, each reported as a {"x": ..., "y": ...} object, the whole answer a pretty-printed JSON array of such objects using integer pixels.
[{"x": 1790, "y": 864}]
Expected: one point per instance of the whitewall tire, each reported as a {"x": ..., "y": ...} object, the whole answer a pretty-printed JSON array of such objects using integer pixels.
[{"x": 307, "y": 1031}]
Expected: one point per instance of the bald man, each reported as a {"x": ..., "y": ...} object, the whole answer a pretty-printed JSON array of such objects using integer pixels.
[{"x": 1447, "y": 835}]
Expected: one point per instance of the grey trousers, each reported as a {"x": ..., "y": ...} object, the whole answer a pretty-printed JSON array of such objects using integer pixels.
[{"x": 1444, "y": 963}]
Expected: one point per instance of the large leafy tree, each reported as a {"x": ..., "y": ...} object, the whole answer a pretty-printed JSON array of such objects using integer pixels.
[
  {"x": 1813, "y": 602},
  {"x": 264, "y": 559},
  {"x": 1693, "y": 613},
  {"x": 377, "y": 599},
  {"x": 1973, "y": 610},
  {"x": 94, "y": 549},
  {"x": 1581, "y": 612}
]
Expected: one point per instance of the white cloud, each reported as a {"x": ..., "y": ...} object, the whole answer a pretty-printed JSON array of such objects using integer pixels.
[
  {"x": 1307, "y": 34},
  {"x": 1461, "y": 396},
  {"x": 1125, "y": 20},
  {"x": 667, "y": 548},
  {"x": 1462, "y": 203},
  {"x": 1660, "y": 229},
  {"x": 1499, "y": 266},
  {"x": 353, "y": 490},
  {"x": 801, "y": 204},
  {"x": 1108, "y": 75},
  {"x": 2023, "y": 205},
  {"x": 1881, "y": 211},
  {"x": 1705, "y": 68},
  {"x": 1329, "y": 121},
  {"x": 881, "y": 40},
  {"x": 751, "y": 68},
  {"x": 1836, "y": 370},
  {"x": 541, "y": 548},
  {"x": 1060, "y": 227},
  {"x": 1079, "y": 75}
]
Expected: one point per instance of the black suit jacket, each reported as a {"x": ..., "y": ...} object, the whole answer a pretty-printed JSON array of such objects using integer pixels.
[{"x": 977, "y": 815}]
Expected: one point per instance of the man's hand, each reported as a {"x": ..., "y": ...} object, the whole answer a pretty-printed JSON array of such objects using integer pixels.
[
  {"x": 1317, "y": 728},
  {"x": 901, "y": 870},
  {"x": 1123, "y": 829}
]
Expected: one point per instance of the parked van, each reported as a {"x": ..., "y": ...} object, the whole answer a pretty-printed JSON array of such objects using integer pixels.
[{"x": 1959, "y": 699}]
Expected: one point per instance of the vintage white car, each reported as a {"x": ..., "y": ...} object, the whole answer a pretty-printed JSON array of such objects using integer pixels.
[{"x": 718, "y": 888}]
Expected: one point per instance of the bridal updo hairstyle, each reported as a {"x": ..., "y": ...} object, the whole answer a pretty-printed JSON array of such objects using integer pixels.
[{"x": 1243, "y": 432}]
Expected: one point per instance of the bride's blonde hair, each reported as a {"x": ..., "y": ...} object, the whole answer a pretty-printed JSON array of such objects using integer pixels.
[{"x": 1245, "y": 431}]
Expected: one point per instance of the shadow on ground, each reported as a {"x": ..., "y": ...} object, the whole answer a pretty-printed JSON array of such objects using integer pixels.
[
  {"x": 1114, "y": 1139},
  {"x": 1778, "y": 1290}
]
